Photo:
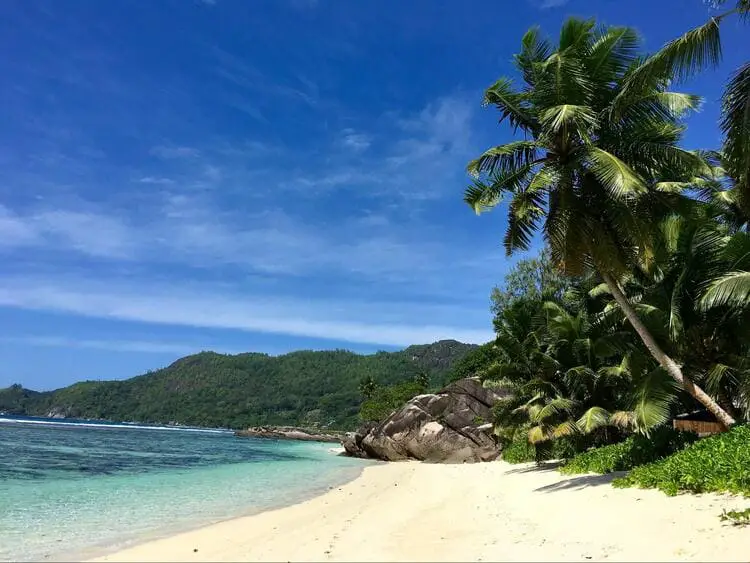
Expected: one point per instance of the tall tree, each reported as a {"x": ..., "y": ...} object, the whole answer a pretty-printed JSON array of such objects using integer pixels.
[
  {"x": 599, "y": 163},
  {"x": 697, "y": 50}
]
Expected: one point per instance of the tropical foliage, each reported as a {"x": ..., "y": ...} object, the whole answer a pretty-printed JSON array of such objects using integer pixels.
[
  {"x": 380, "y": 401},
  {"x": 634, "y": 451},
  {"x": 638, "y": 308},
  {"x": 719, "y": 463}
]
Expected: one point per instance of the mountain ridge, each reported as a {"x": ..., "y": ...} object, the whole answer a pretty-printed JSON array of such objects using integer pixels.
[{"x": 303, "y": 387}]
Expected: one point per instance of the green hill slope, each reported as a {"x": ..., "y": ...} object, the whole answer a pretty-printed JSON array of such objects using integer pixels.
[{"x": 210, "y": 389}]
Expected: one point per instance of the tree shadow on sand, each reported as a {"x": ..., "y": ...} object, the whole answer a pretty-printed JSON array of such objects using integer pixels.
[
  {"x": 580, "y": 482},
  {"x": 536, "y": 468}
]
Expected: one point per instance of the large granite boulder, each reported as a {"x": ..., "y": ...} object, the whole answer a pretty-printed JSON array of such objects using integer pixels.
[{"x": 450, "y": 426}]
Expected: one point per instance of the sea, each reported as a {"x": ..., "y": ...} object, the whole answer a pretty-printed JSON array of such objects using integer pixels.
[{"x": 77, "y": 489}]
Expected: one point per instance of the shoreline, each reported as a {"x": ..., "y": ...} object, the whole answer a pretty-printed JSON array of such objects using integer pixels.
[
  {"x": 102, "y": 552},
  {"x": 411, "y": 511}
]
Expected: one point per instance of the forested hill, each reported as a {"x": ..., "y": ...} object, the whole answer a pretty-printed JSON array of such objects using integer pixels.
[{"x": 236, "y": 391}]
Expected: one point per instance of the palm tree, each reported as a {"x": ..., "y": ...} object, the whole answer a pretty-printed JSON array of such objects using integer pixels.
[
  {"x": 709, "y": 337},
  {"x": 699, "y": 49},
  {"x": 598, "y": 165}
]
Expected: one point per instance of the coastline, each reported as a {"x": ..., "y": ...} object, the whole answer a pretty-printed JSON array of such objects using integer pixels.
[
  {"x": 410, "y": 511},
  {"x": 104, "y": 551}
]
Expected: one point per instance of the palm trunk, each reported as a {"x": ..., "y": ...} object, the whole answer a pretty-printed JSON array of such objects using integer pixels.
[{"x": 724, "y": 418}]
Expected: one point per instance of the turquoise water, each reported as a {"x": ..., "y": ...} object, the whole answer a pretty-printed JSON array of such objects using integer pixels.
[{"x": 70, "y": 490}]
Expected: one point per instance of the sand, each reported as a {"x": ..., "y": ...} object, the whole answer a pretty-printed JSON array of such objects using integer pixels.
[{"x": 481, "y": 512}]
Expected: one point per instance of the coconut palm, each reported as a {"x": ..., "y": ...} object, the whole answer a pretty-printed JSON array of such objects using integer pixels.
[
  {"x": 711, "y": 343},
  {"x": 599, "y": 163},
  {"x": 699, "y": 49}
]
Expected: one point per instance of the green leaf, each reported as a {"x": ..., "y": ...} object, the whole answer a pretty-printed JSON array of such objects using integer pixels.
[
  {"x": 513, "y": 105},
  {"x": 503, "y": 158},
  {"x": 581, "y": 118},
  {"x": 616, "y": 176},
  {"x": 593, "y": 418},
  {"x": 732, "y": 289}
]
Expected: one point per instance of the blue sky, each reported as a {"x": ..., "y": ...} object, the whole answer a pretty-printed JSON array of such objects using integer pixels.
[{"x": 265, "y": 175}]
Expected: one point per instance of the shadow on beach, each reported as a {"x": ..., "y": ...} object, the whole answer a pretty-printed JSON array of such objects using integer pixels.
[
  {"x": 580, "y": 482},
  {"x": 534, "y": 468}
]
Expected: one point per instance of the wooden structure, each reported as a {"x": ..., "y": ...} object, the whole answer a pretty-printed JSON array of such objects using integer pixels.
[{"x": 701, "y": 422}]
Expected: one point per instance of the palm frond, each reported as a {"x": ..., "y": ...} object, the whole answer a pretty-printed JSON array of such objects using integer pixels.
[
  {"x": 512, "y": 104},
  {"x": 503, "y": 158},
  {"x": 574, "y": 117},
  {"x": 599, "y": 290},
  {"x": 576, "y": 33},
  {"x": 735, "y": 123},
  {"x": 696, "y": 50},
  {"x": 537, "y": 434},
  {"x": 534, "y": 50},
  {"x": 555, "y": 406},
  {"x": 732, "y": 289},
  {"x": 593, "y": 418},
  {"x": 524, "y": 213},
  {"x": 718, "y": 375},
  {"x": 613, "y": 51},
  {"x": 565, "y": 428},
  {"x": 482, "y": 196},
  {"x": 616, "y": 176},
  {"x": 652, "y": 399}
]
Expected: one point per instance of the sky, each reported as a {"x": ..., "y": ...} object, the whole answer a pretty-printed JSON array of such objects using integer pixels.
[{"x": 266, "y": 175}]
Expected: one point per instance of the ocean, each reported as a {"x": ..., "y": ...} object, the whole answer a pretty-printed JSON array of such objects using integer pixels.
[{"x": 70, "y": 490}]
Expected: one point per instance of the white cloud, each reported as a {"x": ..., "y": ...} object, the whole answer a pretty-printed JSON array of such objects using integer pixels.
[
  {"x": 149, "y": 347},
  {"x": 354, "y": 141},
  {"x": 381, "y": 323},
  {"x": 547, "y": 4},
  {"x": 156, "y": 180}
]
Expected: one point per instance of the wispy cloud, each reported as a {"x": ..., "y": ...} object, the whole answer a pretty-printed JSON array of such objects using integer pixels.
[
  {"x": 547, "y": 4},
  {"x": 156, "y": 180},
  {"x": 372, "y": 323},
  {"x": 248, "y": 78},
  {"x": 143, "y": 346},
  {"x": 357, "y": 142}
]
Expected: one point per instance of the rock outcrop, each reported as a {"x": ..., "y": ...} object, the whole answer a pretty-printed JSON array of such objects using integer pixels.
[
  {"x": 450, "y": 426},
  {"x": 289, "y": 433}
]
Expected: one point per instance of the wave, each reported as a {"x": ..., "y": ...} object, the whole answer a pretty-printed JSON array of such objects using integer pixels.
[{"x": 121, "y": 425}]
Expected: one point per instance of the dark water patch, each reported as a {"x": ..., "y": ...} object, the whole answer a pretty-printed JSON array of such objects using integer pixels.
[{"x": 79, "y": 451}]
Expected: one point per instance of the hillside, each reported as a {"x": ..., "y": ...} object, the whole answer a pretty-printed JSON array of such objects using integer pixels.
[{"x": 221, "y": 390}]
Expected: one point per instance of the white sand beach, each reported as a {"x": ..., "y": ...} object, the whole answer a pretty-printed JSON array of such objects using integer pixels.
[{"x": 481, "y": 512}]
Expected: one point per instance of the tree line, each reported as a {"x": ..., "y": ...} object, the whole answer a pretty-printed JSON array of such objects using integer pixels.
[{"x": 638, "y": 307}]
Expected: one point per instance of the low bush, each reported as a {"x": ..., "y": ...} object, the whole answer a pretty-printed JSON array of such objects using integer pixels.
[
  {"x": 632, "y": 452},
  {"x": 519, "y": 450},
  {"x": 720, "y": 463}
]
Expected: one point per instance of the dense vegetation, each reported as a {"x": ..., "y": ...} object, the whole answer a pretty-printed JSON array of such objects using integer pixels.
[
  {"x": 634, "y": 451},
  {"x": 382, "y": 400},
  {"x": 637, "y": 309},
  {"x": 209, "y": 389},
  {"x": 719, "y": 463}
]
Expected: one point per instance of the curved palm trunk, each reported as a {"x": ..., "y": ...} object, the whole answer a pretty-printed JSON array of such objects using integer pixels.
[{"x": 664, "y": 360}]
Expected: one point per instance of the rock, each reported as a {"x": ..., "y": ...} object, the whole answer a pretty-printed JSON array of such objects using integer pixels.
[
  {"x": 446, "y": 427},
  {"x": 289, "y": 433}
]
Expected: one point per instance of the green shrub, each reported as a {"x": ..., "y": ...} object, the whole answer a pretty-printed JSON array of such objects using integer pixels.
[
  {"x": 383, "y": 401},
  {"x": 719, "y": 463},
  {"x": 634, "y": 451},
  {"x": 519, "y": 450}
]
